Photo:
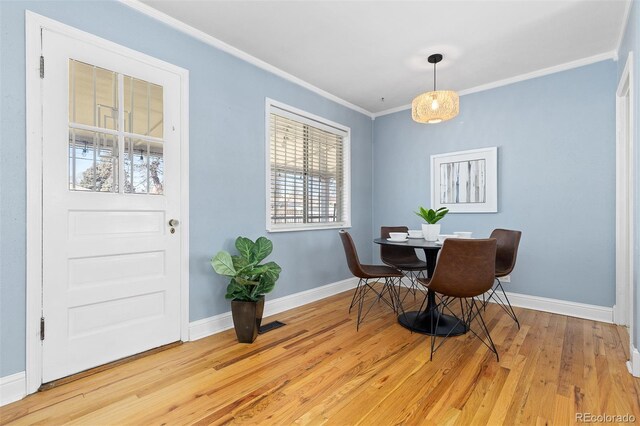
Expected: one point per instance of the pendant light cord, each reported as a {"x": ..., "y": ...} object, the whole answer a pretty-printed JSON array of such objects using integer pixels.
[{"x": 434, "y": 76}]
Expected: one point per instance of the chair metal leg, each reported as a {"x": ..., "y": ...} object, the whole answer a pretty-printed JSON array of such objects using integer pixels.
[
  {"x": 484, "y": 327},
  {"x": 426, "y": 297},
  {"x": 361, "y": 292},
  {"x": 360, "y": 318},
  {"x": 355, "y": 293},
  {"x": 366, "y": 287},
  {"x": 475, "y": 312},
  {"x": 442, "y": 305},
  {"x": 413, "y": 288},
  {"x": 510, "y": 311},
  {"x": 396, "y": 293},
  {"x": 504, "y": 304},
  {"x": 433, "y": 336}
]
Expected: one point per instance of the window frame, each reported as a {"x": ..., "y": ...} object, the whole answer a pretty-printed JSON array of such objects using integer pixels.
[{"x": 272, "y": 106}]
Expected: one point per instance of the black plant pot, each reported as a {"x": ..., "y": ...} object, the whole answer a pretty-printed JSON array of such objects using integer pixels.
[{"x": 247, "y": 317}]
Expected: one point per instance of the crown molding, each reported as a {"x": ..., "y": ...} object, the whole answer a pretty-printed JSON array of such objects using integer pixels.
[
  {"x": 623, "y": 27},
  {"x": 391, "y": 111},
  {"x": 220, "y": 45},
  {"x": 540, "y": 73}
]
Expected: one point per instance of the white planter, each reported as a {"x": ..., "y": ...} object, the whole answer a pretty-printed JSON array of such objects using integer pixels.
[{"x": 430, "y": 232}]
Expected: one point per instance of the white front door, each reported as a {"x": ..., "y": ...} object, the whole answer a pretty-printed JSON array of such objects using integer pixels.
[{"x": 111, "y": 184}]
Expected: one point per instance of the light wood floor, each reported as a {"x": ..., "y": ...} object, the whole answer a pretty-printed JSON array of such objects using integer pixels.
[{"x": 318, "y": 369}]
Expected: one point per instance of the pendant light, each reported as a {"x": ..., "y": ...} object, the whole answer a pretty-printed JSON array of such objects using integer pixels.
[{"x": 438, "y": 105}]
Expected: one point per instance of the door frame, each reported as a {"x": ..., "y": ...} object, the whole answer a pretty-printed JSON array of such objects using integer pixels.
[
  {"x": 34, "y": 24},
  {"x": 625, "y": 180}
]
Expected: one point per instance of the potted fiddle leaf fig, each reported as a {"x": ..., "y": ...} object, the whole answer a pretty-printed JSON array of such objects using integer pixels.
[
  {"x": 249, "y": 282},
  {"x": 431, "y": 228}
]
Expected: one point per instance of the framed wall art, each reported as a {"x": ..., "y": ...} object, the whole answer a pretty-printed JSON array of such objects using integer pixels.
[{"x": 465, "y": 181}]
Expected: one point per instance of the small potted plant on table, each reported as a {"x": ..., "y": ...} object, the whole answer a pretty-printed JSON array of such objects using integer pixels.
[
  {"x": 250, "y": 281},
  {"x": 431, "y": 229}
]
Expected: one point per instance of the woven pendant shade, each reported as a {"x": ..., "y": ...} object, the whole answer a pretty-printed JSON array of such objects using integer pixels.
[{"x": 434, "y": 107}]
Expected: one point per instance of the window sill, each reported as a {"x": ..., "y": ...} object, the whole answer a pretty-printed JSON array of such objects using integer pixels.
[{"x": 307, "y": 227}]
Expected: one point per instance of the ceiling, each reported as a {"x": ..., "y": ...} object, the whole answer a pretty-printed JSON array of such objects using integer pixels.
[{"x": 363, "y": 51}]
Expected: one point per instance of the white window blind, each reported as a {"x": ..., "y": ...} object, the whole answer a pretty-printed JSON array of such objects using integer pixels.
[{"x": 308, "y": 177}]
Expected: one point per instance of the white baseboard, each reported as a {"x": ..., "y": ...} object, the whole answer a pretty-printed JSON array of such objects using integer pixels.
[
  {"x": 217, "y": 323},
  {"x": 562, "y": 307},
  {"x": 633, "y": 365},
  {"x": 13, "y": 388},
  {"x": 208, "y": 326}
]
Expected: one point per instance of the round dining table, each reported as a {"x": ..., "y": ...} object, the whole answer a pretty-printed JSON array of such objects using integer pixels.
[{"x": 426, "y": 321}]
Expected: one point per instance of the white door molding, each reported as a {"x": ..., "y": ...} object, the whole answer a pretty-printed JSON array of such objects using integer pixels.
[
  {"x": 633, "y": 365},
  {"x": 34, "y": 95},
  {"x": 625, "y": 181}
]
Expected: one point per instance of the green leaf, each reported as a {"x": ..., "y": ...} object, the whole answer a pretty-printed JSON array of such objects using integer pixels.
[
  {"x": 261, "y": 249},
  {"x": 239, "y": 262},
  {"x": 422, "y": 213},
  {"x": 272, "y": 270},
  {"x": 431, "y": 216},
  {"x": 245, "y": 282},
  {"x": 223, "y": 264},
  {"x": 265, "y": 286},
  {"x": 237, "y": 291},
  {"x": 244, "y": 246},
  {"x": 440, "y": 213}
]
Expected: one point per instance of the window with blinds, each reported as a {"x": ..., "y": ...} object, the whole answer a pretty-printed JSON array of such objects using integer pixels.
[{"x": 308, "y": 177}]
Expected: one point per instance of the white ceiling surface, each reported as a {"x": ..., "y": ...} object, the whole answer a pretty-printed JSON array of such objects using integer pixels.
[{"x": 362, "y": 51}]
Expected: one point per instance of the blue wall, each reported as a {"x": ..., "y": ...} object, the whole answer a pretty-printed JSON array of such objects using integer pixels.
[
  {"x": 556, "y": 176},
  {"x": 227, "y": 164},
  {"x": 631, "y": 43}
]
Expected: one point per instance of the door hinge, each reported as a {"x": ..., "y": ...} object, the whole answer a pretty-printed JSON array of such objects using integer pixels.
[
  {"x": 41, "y": 66},
  {"x": 41, "y": 328}
]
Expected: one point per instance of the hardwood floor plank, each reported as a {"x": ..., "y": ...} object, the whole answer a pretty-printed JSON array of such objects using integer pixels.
[
  {"x": 563, "y": 413},
  {"x": 481, "y": 415},
  {"x": 318, "y": 370}
]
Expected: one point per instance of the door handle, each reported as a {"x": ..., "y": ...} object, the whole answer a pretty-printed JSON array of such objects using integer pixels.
[{"x": 174, "y": 222}]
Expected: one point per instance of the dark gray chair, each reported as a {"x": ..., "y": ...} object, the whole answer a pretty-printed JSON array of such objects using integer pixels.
[
  {"x": 465, "y": 270},
  {"x": 506, "y": 255},
  {"x": 403, "y": 258},
  {"x": 368, "y": 275}
]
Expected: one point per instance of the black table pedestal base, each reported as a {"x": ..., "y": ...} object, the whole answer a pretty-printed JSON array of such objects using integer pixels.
[{"x": 425, "y": 322}]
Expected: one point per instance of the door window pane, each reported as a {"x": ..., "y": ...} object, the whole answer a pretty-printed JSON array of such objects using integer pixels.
[
  {"x": 144, "y": 167},
  {"x": 93, "y": 96},
  {"x": 93, "y": 161},
  {"x": 95, "y": 132},
  {"x": 143, "y": 107}
]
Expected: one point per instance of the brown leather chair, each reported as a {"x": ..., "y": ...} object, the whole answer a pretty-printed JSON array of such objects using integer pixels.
[
  {"x": 465, "y": 270},
  {"x": 506, "y": 255},
  {"x": 403, "y": 258},
  {"x": 366, "y": 273}
]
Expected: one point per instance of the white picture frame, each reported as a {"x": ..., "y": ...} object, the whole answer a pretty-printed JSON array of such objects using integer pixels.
[{"x": 465, "y": 181}]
